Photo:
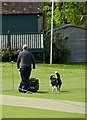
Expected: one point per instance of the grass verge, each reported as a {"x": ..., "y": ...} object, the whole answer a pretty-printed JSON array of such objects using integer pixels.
[{"x": 22, "y": 112}]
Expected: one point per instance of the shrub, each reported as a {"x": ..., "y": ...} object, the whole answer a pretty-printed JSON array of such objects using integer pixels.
[
  {"x": 60, "y": 51},
  {"x": 9, "y": 55}
]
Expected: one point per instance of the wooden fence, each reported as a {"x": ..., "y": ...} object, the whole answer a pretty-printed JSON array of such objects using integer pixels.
[{"x": 16, "y": 41}]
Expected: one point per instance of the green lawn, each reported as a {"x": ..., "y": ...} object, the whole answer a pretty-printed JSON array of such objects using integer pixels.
[
  {"x": 72, "y": 75},
  {"x": 73, "y": 89},
  {"x": 22, "y": 112}
]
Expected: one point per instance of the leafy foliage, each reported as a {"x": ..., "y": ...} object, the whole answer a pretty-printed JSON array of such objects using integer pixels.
[
  {"x": 66, "y": 12},
  {"x": 9, "y": 55},
  {"x": 60, "y": 50}
]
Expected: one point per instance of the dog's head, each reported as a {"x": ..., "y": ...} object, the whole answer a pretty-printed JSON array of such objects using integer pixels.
[{"x": 52, "y": 77}]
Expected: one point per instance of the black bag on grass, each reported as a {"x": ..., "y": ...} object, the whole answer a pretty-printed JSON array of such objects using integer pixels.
[
  {"x": 30, "y": 86},
  {"x": 33, "y": 84}
]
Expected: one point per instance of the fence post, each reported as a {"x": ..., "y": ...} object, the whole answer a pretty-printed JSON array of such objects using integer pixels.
[
  {"x": 9, "y": 43},
  {"x": 43, "y": 55}
]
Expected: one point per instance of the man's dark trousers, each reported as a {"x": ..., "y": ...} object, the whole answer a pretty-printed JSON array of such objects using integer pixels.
[{"x": 25, "y": 74}]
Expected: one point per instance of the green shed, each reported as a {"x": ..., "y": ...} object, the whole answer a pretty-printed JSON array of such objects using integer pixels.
[
  {"x": 19, "y": 23},
  {"x": 22, "y": 23}
]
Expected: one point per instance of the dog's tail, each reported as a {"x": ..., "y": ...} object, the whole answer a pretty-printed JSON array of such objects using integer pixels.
[{"x": 57, "y": 74}]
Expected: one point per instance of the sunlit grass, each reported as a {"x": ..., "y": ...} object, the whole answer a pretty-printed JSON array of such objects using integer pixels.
[{"x": 72, "y": 75}]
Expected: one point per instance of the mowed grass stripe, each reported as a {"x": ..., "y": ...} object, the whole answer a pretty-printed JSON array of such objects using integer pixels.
[
  {"x": 73, "y": 78},
  {"x": 22, "y": 112}
]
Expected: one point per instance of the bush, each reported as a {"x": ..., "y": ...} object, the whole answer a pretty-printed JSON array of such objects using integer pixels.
[
  {"x": 60, "y": 49},
  {"x": 8, "y": 55}
]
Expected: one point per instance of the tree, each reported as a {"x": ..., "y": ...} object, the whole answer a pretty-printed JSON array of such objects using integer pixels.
[
  {"x": 60, "y": 50},
  {"x": 65, "y": 12}
]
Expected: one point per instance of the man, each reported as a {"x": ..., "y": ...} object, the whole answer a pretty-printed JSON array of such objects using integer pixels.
[{"x": 24, "y": 61}]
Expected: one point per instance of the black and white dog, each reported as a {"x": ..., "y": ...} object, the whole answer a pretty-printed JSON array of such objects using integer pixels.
[{"x": 56, "y": 82}]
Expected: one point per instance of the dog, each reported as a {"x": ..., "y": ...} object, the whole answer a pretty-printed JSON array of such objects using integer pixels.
[{"x": 56, "y": 82}]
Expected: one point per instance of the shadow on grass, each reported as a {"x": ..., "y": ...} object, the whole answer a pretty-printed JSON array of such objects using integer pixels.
[
  {"x": 43, "y": 92},
  {"x": 64, "y": 91}
]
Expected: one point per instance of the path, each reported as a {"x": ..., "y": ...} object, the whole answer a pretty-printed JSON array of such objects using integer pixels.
[{"x": 48, "y": 104}]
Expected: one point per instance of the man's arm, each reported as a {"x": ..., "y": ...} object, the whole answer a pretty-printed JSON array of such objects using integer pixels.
[
  {"x": 18, "y": 61},
  {"x": 33, "y": 61}
]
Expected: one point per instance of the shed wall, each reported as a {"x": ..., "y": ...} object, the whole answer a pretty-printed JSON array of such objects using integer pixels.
[
  {"x": 19, "y": 23},
  {"x": 76, "y": 42}
]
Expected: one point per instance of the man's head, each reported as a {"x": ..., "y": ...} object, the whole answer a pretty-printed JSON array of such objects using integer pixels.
[{"x": 25, "y": 47}]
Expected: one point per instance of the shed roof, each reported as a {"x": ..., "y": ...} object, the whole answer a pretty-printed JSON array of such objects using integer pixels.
[
  {"x": 63, "y": 26},
  {"x": 22, "y": 7}
]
